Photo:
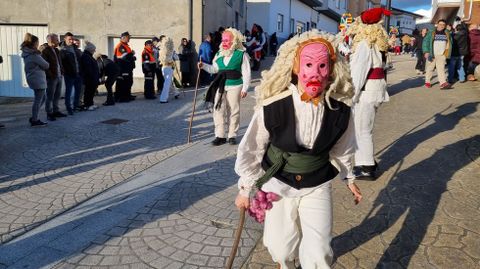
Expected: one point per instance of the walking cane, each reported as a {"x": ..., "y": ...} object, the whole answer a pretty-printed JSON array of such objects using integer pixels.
[
  {"x": 238, "y": 234},
  {"x": 193, "y": 109}
]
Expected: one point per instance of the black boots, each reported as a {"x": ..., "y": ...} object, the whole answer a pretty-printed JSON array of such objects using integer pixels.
[{"x": 219, "y": 141}]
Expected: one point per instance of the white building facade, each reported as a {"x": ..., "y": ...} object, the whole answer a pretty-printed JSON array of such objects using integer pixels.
[
  {"x": 294, "y": 16},
  {"x": 404, "y": 21}
]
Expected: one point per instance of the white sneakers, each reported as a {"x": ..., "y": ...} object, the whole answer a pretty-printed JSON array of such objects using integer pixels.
[{"x": 92, "y": 108}]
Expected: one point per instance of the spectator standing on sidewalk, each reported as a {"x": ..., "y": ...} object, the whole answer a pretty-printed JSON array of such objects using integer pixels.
[
  {"x": 71, "y": 65},
  {"x": 460, "y": 50},
  {"x": 124, "y": 57},
  {"x": 398, "y": 45},
  {"x": 420, "y": 66},
  {"x": 158, "y": 66},
  {"x": 185, "y": 54},
  {"x": 437, "y": 47},
  {"x": 148, "y": 69},
  {"x": 474, "y": 34},
  {"x": 54, "y": 74},
  {"x": 90, "y": 75},
  {"x": 273, "y": 44},
  {"x": 109, "y": 72},
  {"x": 205, "y": 55},
  {"x": 35, "y": 67}
]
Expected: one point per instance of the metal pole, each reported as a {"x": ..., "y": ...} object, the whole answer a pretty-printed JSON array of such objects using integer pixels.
[{"x": 389, "y": 7}]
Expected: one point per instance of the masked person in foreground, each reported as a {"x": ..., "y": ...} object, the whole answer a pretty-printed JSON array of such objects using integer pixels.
[{"x": 300, "y": 138}]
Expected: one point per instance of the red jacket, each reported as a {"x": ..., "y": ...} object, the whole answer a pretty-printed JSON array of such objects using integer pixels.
[{"x": 475, "y": 45}]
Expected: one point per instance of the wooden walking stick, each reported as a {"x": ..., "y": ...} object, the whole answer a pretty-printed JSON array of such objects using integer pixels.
[
  {"x": 238, "y": 234},
  {"x": 193, "y": 109}
]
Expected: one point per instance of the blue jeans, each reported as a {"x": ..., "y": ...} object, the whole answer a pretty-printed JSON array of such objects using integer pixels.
[
  {"x": 71, "y": 83},
  {"x": 456, "y": 65}
]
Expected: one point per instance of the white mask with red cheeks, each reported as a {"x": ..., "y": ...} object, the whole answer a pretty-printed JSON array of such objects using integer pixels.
[{"x": 314, "y": 69}]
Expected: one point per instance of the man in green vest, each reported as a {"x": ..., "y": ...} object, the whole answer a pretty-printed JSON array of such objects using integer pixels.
[{"x": 232, "y": 66}]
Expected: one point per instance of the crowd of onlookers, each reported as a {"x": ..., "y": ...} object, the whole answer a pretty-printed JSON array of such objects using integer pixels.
[
  {"x": 60, "y": 63},
  {"x": 453, "y": 50},
  {"x": 49, "y": 66}
]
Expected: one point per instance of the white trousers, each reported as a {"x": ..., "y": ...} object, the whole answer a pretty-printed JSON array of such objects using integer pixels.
[
  {"x": 228, "y": 116},
  {"x": 364, "y": 118},
  {"x": 282, "y": 236},
  {"x": 167, "y": 72}
]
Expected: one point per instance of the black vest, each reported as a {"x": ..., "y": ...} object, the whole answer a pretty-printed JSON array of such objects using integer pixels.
[{"x": 279, "y": 120}]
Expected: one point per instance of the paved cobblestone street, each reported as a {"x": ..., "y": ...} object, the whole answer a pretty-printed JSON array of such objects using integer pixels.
[{"x": 84, "y": 194}]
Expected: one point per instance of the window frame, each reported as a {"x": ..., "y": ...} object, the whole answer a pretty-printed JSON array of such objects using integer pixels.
[{"x": 280, "y": 22}]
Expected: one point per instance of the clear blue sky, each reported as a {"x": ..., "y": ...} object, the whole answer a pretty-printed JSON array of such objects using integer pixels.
[{"x": 411, "y": 5}]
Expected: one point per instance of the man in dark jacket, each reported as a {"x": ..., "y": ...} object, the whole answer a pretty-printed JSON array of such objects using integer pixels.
[
  {"x": 158, "y": 66},
  {"x": 71, "y": 65},
  {"x": 460, "y": 49},
  {"x": 90, "y": 75},
  {"x": 419, "y": 36},
  {"x": 148, "y": 69},
  {"x": 109, "y": 72},
  {"x": 54, "y": 73},
  {"x": 124, "y": 57}
]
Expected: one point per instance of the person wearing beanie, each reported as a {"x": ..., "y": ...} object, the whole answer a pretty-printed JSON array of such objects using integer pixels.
[{"x": 90, "y": 75}]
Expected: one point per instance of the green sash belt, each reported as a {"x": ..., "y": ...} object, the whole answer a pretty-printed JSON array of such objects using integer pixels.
[{"x": 294, "y": 163}]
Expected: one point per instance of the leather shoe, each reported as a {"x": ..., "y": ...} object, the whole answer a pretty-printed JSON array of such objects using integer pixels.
[
  {"x": 232, "y": 141},
  {"x": 219, "y": 141},
  {"x": 59, "y": 114},
  {"x": 51, "y": 117}
]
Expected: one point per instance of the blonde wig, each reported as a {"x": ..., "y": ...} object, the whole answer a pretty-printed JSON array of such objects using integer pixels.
[
  {"x": 166, "y": 51},
  {"x": 238, "y": 40},
  {"x": 277, "y": 79},
  {"x": 374, "y": 34}
]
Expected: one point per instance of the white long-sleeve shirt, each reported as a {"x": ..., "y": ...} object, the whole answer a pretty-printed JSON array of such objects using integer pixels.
[
  {"x": 308, "y": 120},
  {"x": 362, "y": 60},
  {"x": 246, "y": 73}
]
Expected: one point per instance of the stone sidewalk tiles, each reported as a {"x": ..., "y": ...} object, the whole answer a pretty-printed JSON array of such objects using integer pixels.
[
  {"x": 45, "y": 171},
  {"x": 423, "y": 210},
  {"x": 191, "y": 226}
]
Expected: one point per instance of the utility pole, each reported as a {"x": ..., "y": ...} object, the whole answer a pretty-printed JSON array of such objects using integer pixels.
[{"x": 389, "y": 7}]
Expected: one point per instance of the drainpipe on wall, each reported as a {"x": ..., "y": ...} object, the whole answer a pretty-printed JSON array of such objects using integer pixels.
[
  {"x": 190, "y": 30},
  {"x": 290, "y": 17}
]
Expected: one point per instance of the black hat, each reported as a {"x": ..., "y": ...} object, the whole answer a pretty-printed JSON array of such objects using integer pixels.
[
  {"x": 148, "y": 42},
  {"x": 125, "y": 34}
]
